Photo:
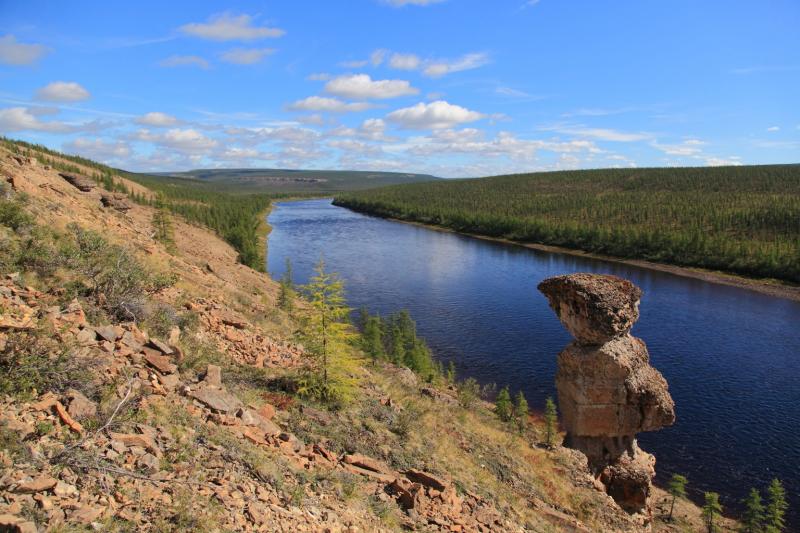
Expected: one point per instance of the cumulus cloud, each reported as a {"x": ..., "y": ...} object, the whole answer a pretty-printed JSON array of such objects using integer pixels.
[
  {"x": 27, "y": 119},
  {"x": 13, "y": 52},
  {"x": 436, "y": 69},
  {"x": 361, "y": 86},
  {"x": 246, "y": 56},
  {"x": 98, "y": 149},
  {"x": 433, "y": 115},
  {"x": 330, "y": 105},
  {"x": 373, "y": 129},
  {"x": 157, "y": 120},
  {"x": 184, "y": 61},
  {"x": 404, "y": 61},
  {"x": 228, "y": 27},
  {"x": 774, "y": 128},
  {"x": 62, "y": 91},
  {"x": 184, "y": 140}
]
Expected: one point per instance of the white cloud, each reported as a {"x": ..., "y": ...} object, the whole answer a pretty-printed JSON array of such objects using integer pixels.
[
  {"x": 157, "y": 119},
  {"x": 724, "y": 162},
  {"x": 319, "y": 76},
  {"x": 774, "y": 128},
  {"x": 439, "y": 68},
  {"x": 331, "y": 105},
  {"x": 361, "y": 86},
  {"x": 184, "y": 61},
  {"x": 13, "y": 52},
  {"x": 98, "y": 149},
  {"x": 359, "y": 147},
  {"x": 433, "y": 115},
  {"x": 377, "y": 57},
  {"x": 404, "y": 61},
  {"x": 357, "y": 63},
  {"x": 601, "y": 134},
  {"x": 372, "y": 129},
  {"x": 246, "y": 56},
  {"x": 21, "y": 119},
  {"x": 238, "y": 154},
  {"x": 228, "y": 27},
  {"x": 27, "y": 119},
  {"x": 185, "y": 140},
  {"x": 400, "y": 3},
  {"x": 62, "y": 91},
  {"x": 687, "y": 148}
]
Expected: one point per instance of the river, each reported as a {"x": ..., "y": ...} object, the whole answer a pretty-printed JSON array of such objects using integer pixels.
[{"x": 731, "y": 355}]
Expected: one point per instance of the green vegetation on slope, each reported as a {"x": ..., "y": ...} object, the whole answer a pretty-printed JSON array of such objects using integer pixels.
[
  {"x": 744, "y": 220},
  {"x": 234, "y": 217}
]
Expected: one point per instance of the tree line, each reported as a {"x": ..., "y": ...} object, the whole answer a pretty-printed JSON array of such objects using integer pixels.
[{"x": 744, "y": 220}]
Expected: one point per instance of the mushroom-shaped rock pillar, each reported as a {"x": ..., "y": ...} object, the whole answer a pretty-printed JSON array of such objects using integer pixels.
[{"x": 607, "y": 390}]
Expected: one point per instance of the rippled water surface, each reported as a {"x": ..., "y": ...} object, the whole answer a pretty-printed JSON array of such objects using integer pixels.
[{"x": 731, "y": 356}]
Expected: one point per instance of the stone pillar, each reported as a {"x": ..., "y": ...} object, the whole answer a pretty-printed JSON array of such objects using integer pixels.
[{"x": 607, "y": 390}]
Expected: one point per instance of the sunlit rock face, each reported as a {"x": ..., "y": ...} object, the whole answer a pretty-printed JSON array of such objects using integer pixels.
[{"x": 607, "y": 390}]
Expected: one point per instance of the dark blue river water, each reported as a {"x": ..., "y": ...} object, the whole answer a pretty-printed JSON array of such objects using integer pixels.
[{"x": 731, "y": 356}]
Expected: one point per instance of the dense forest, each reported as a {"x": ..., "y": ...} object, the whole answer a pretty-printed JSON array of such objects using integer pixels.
[
  {"x": 744, "y": 220},
  {"x": 235, "y": 217}
]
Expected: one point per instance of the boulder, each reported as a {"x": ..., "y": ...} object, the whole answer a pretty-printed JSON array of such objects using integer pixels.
[
  {"x": 79, "y": 182},
  {"x": 116, "y": 201},
  {"x": 217, "y": 399},
  {"x": 593, "y": 307},
  {"x": 79, "y": 405}
]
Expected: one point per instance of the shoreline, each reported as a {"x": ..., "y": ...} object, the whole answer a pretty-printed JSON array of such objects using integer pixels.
[{"x": 769, "y": 287}]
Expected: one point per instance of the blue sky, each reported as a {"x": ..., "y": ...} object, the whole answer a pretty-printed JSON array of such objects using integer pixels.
[{"x": 450, "y": 87}]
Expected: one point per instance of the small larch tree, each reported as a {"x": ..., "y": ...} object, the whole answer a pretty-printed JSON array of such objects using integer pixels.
[
  {"x": 753, "y": 517},
  {"x": 775, "y": 516},
  {"x": 677, "y": 488},
  {"x": 503, "y": 407},
  {"x": 328, "y": 332},
  {"x": 287, "y": 293},
  {"x": 711, "y": 510},
  {"x": 550, "y": 422},
  {"x": 521, "y": 410}
]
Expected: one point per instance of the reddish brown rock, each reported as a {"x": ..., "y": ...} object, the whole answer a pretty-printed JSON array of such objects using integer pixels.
[{"x": 79, "y": 182}]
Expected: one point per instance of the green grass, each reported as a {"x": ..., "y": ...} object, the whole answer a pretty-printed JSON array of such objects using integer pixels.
[{"x": 744, "y": 220}]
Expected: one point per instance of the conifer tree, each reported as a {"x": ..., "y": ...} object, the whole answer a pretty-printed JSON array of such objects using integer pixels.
[
  {"x": 287, "y": 292},
  {"x": 372, "y": 338},
  {"x": 753, "y": 518},
  {"x": 677, "y": 488},
  {"x": 775, "y": 516},
  {"x": 711, "y": 510},
  {"x": 327, "y": 332},
  {"x": 502, "y": 405},
  {"x": 550, "y": 422},
  {"x": 451, "y": 372},
  {"x": 521, "y": 411}
]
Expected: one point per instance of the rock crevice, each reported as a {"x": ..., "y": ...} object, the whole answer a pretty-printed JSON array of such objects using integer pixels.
[{"x": 607, "y": 390}]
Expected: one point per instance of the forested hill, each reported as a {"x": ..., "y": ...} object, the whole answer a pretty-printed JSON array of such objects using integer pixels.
[
  {"x": 744, "y": 220},
  {"x": 270, "y": 180}
]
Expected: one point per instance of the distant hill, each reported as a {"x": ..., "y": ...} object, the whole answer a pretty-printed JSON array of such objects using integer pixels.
[
  {"x": 742, "y": 219},
  {"x": 270, "y": 180}
]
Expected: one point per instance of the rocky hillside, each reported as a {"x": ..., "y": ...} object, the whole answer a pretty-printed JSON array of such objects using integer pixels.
[{"x": 148, "y": 385}]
